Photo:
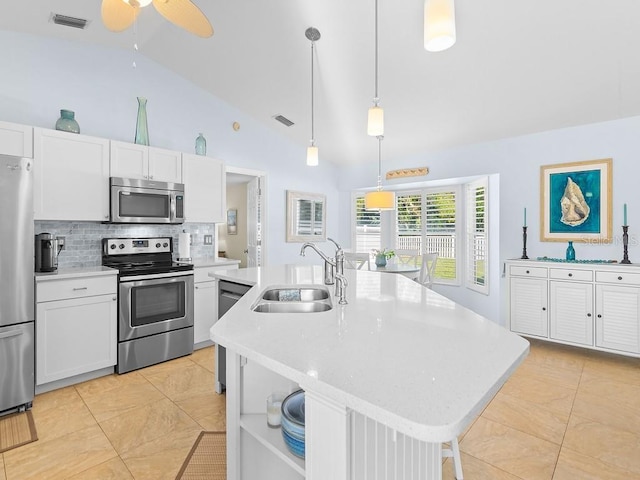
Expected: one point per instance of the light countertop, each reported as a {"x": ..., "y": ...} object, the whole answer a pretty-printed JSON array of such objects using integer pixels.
[
  {"x": 214, "y": 262},
  {"x": 75, "y": 272},
  {"x": 398, "y": 352}
]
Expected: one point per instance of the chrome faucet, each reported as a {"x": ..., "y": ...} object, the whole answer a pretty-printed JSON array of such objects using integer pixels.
[
  {"x": 328, "y": 263},
  {"x": 339, "y": 258},
  {"x": 341, "y": 288}
]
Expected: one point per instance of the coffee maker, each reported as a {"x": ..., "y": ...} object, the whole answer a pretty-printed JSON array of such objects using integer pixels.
[{"x": 48, "y": 247}]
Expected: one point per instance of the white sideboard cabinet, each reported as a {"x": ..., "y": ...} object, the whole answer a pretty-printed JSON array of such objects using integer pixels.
[
  {"x": 71, "y": 176},
  {"x": 130, "y": 160},
  {"x": 591, "y": 305}
]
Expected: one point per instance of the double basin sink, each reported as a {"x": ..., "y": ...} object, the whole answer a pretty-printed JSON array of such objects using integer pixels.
[{"x": 294, "y": 299}]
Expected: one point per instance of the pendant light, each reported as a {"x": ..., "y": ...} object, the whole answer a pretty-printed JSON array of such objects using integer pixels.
[
  {"x": 375, "y": 123},
  {"x": 312, "y": 151},
  {"x": 439, "y": 25},
  {"x": 379, "y": 199}
]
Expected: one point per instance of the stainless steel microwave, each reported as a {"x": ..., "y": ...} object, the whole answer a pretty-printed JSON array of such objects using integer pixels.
[{"x": 145, "y": 201}]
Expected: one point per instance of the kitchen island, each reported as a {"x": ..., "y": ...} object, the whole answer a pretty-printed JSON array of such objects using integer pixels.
[{"x": 387, "y": 377}]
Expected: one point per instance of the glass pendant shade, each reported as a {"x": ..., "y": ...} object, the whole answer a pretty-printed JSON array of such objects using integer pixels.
[
  {"x": 439, "y": 25},
  {"x": 375, "y": 124},
  {"x": 379, "y": 200},
  {"x": 312, "y": 156}
]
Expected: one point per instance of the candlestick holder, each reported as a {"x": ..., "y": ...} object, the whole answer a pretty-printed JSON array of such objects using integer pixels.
[
  {"x": 625, "y": 244},
  {"x": 524, "y": 244}
]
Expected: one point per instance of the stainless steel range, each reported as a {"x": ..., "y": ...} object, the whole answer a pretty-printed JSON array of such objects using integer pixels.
[{"x": 155, "y": 301}]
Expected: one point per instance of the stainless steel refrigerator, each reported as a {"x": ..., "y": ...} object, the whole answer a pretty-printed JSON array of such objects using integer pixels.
[{"x": 17, "y": 358}]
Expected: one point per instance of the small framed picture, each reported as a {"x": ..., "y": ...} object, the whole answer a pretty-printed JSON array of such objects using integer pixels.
[{"x": 232, "y": 221}]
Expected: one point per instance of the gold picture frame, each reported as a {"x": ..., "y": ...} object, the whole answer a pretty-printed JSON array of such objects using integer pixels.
[{"x": 576, "y": 202}]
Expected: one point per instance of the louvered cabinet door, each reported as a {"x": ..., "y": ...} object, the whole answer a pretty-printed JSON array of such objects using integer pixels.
[
  {"x": 528, "y": 306},
  {"x": 571, "y": 312},
  {"x": 617, "y": 317}
]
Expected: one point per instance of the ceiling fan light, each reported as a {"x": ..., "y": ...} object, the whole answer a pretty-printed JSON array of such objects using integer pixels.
[
  {"x": 379, "y": 200},
  {"x": 137, "y": 3},
  {"x": 312, "y": 156},
  {"x": 375, "y": 124},
  {"x": 439, "y": 25}
]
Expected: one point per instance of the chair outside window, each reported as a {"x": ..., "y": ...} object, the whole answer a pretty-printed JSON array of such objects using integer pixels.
[
  {"x": 357, "y": 260},
  {"x": 427, "y": 269}
]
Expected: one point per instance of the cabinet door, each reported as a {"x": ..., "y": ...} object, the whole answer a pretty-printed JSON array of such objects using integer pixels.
[
  {"x": 165, "y": 165},
  {"x": 571, "y": 312},
  {"x": 71, "y": 176},
  {"x": 16, "y": 140},
  {"x": 617, "y": 317},
  {"x": 528, "y": 306},
  {"x": 75, "y": 336},
  {"x": 205, "y": 310},
  {"x": 205, "y": 189},
  {"x": 129, "y": 160}
]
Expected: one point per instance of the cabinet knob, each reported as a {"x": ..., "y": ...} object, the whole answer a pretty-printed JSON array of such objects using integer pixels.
[
  {"x": 599, "y": 316},
  {"x": 114, "y": 298},
  {"x": 588, "y": 315},
  {"x": 527, "y": 271},
  {"x": 620, "y": 278},
  {"x": 544, "y": 309},
  {"x": 571, "y": 274}
]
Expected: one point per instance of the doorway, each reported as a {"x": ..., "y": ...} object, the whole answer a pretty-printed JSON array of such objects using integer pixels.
[{"x": 245, "y": 198}]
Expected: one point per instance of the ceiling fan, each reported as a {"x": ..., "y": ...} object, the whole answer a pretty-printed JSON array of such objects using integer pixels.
[{"x": 118, "y": 15}]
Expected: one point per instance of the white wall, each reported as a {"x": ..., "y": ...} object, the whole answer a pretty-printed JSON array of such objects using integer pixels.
[
  {"x": 41, "y": 75},
  {"x": 516, "y": 163}
]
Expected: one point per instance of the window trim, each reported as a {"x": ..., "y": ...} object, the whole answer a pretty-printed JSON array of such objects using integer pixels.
[{"x": 470, "y": 231}]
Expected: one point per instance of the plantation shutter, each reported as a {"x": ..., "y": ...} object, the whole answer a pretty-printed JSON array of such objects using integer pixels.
[
  {"x": 440, "y": 220},
  {"x": 409, "y": 221},
  {"x": 367, "y": 228},
  {"x": 477, "y": 237}
]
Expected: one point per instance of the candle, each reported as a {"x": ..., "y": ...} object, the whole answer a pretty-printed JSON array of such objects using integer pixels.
[
  {"x": 525, "y": 216},
  {"x": 625, "y": 214}
]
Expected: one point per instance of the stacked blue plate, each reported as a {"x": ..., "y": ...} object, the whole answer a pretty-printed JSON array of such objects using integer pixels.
[{"x": 293, "y": 422}]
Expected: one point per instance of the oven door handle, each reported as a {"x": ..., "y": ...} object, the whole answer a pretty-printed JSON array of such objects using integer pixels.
[{"x": 137, "y": 278}]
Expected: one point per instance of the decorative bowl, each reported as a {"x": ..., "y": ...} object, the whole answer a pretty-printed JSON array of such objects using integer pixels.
[{"x": 293, "y": 418}]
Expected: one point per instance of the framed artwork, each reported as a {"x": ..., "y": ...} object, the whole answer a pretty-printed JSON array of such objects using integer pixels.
[
  {"x": 232, "y": 221},
  {"x": 575, "y": 202}
]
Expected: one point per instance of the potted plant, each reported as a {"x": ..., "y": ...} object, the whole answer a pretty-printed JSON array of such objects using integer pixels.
[{"x": 382, "y": 256}]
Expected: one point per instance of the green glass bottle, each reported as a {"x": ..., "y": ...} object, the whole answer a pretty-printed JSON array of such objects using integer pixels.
[
  {"x": 571, "y": 253},
  {"x": 201, "y": 145},
  {"x": 142, "y": 131},
  {"x": 67, "y": 122}
]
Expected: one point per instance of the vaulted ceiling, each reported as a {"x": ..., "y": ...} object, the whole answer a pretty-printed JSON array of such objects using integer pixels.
[{"x": 517, "y": 67}]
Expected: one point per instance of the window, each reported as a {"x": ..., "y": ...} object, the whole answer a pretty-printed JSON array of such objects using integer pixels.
[
  {"x": 367, "y": 227},
  {"x": 477, "y": 236},
  {"x": 426, "y": 221}
]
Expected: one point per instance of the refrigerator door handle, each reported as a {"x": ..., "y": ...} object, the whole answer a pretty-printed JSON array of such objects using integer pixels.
[{"x": 15, "y": 333}]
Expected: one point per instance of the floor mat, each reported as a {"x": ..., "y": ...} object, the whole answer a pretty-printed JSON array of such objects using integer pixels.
[
  {"x": 16, "y": 430},
  {"x": 207, "y": 458}
]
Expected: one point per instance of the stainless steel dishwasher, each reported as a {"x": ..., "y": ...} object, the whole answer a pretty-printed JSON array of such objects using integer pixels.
[{"x": 228, "y": 294}]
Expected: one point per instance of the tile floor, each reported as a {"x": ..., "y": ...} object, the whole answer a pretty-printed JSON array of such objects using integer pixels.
[{"x": 565, "y": 414}]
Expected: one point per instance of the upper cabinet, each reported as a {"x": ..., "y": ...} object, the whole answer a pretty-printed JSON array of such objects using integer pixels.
[
  {"x": 71, "y": 176},
  {"x": 16, "y": 140},
  {"x": 130, "y": 160},
  {"x": 204, "y": 189}
]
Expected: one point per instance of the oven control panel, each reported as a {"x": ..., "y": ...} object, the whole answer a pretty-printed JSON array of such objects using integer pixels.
[{"x": 127, "y": 246}]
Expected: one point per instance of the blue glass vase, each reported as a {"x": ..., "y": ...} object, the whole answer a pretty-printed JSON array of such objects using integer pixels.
[
  {"x": 67, "y": 122},
  {"x": 201, "y": 145},
  {"x": 571, "y": 253},
  {"x": 142, "y": 131},
  {"x": 381, "y": 260}
]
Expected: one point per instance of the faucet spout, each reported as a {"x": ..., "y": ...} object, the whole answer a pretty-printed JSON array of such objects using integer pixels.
[{"x": 329, "y": 264}]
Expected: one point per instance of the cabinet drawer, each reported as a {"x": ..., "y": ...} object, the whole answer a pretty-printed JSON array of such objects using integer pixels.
[
  {"x": 201, "y": 274},
  {"x": 618, "y": 277},
  {"x": 571, "y": 274},
  {"x": 75, "y": 288},
  {"x": 522, "y": 271}
]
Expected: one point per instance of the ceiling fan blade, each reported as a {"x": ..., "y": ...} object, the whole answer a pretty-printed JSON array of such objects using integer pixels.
[
  {"x": 117, "y": 15},
  {"x": 184, "y": 14}
]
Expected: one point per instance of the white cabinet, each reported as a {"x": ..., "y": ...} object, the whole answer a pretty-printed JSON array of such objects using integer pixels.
[
  {"x": 528, "y": 308},
  {"x": 130, "y": 160},
  {"x": 71, "y": 176},
  {"x": 76, "y": 326},
  {"x": 16, "y": 140},
  {"x": 592, "y": 305},
  {"x": 617, "y": 313},
  {"x": 205, "y": 298},
  {"x": 571, "y": 318},
  {"x": 204, "y": 189}
]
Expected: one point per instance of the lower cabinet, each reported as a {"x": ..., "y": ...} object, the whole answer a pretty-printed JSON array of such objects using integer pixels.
[
  {"x": 76, "y": 334},
  {"x": 596, "y": 306}
]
